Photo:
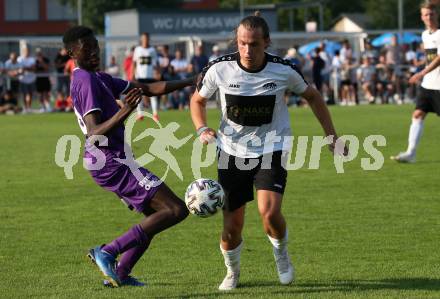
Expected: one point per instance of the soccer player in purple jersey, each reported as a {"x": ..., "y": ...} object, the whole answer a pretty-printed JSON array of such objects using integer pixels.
[{"x": 94, "y": 97}]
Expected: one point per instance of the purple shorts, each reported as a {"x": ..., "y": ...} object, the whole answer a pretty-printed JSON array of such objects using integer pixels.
[{"x": 135, "y": 189}]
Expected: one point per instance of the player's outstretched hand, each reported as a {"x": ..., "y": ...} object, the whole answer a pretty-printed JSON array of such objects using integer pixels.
[
  {"x": 133, "y": 97},
  {"x": 415, "y": 78},
  {"x": 208, "y": 136}
]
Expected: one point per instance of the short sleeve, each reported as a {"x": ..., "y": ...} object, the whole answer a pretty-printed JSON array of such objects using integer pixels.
[
  {"x": 119, "y": 87},
  {"x": 87, "y": 96},
  {"x": 136, "y": 54},
  {"x": 296, "y": 81},
  {"x": 207, "y": 85}
]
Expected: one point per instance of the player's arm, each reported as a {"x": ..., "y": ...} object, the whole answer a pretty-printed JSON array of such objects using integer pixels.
[
  {"x": 162, "y": 87},
  {"x": 198, "y": 116},
  {"x": 319, "y": 108},
  {"x": 93, "y": 119},
  {"x": 429, "y": 68}
]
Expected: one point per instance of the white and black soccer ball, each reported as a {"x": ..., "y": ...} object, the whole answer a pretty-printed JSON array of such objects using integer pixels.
[{"x": 204, "y": 197}]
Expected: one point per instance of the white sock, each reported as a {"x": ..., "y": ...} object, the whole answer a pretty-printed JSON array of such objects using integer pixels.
[
  {"x": 415, "y": 132},
  {"x": 279, "y": 245},
  {"x": 140, "y": 108},
  {"x": 154, "y": 103},
  {"x": 232, "y": 258}
]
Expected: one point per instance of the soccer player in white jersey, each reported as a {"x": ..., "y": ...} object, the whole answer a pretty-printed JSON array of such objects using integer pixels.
[
  {"x": 251, "y": 84},
  {"x": 428, "y": 99},
  {"x": 145, "y": 61}
]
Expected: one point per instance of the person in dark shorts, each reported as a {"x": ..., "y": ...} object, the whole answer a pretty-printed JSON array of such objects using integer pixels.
[
  {"x": 251, "y": 139},
  {"x": 42, "y": 82},
  {"x": 94, "y": 97},
  {"x": 63, "y": 80},
  {"x": 428, "y": 99}
]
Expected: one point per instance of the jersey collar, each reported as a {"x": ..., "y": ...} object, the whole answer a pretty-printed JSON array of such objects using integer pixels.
[{"x": 248, "y": 70}]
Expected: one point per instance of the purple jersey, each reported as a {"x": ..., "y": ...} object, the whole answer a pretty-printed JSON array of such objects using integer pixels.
[{"x": 97, "y": 91}]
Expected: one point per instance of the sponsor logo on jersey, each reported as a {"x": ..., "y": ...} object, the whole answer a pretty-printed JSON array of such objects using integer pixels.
[
  {"x": 145, "y": 60},
  {"x": 232, "y": 85},
  {"x": 270, "y": 86},
  {"x": 254, "y": 110},
  {"x": 431, "y": 54}
]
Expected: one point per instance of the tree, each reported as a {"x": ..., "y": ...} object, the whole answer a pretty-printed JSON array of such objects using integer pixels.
[
  {"x": 93, "y": 11},
  {"x": 384, "y": 13}
]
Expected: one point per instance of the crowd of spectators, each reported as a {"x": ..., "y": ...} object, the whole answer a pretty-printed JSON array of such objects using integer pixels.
[{"x": 376, "y": 75}]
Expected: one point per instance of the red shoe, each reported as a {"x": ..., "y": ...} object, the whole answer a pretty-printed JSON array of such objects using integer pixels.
[
  {"x": 156, "y": 117},
  {"x": 139, "y": 117}
]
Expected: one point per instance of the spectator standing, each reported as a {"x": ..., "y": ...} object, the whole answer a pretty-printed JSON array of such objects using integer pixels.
[
  {"x": 348, "y": 92},
  {"x": 164, "y": 59},
  {"x": 335, "y": 78},
  {"x": 128, "y": 64},
  {"x": 2, "y": 81},
  {"x": 199, "y": 60},
  {"x": 367, "y": 77},
  {"x": 180, "y": 64},
  {"x": 215, "y": 53},
  {"x": 318, "y": 66},
  {"x": 292, "y": 57},
  {"x": 42, "y": 82},
  {"x": 63, "y": 80},
  {"x": 113, "y": 67},
  {"x": 394, "y": 60},
  {"x": 346, "y": 52},
  {"x": 27, "y": 78},
  {"x": 13, "y": 69},
  {"x": 370, "y": 52},
  {"x": 144, "y": 62}
]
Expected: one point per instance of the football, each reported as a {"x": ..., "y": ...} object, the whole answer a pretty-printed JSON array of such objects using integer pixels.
[{"x": 204, "y": 197}]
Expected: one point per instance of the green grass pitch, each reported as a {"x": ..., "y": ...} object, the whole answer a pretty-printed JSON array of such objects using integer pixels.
[{"x": 361, "y": 234}]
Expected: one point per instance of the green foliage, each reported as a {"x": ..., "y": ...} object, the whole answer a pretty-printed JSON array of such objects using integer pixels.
[
  {"x": 384, "y": 13},
  {"x": 94, "y": 10}
]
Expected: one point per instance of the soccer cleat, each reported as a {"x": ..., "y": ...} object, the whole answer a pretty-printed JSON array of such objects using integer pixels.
[
  {"x": 404, "y": 158},
  {"x": 106, "y": 264},
  {"x": 129, "y": 281},
  {"x": 156, "y": 117},
  {"x": 230, "y": 281},
  {"x": 286, "y": 272},
  {"x": 140, "y": 117}
]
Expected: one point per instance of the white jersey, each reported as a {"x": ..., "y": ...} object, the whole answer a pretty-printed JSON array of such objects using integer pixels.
[
  {"x": 255, "y": 120},
  {"x": 146, "y": 61},
  {"x": 28, "y": 77},
  {"x": 431, "y": 43}
]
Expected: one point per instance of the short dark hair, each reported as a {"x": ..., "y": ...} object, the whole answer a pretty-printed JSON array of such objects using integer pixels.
[
  {"x": 146, "y": 34},
  {"x": 74, "y": 34}
]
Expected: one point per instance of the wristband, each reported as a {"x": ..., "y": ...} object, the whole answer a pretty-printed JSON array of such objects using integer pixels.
[{"x": 201, "y": 130}]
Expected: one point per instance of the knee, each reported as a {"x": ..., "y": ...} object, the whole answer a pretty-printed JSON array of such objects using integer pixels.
[
  {"x": 269, "y": 216},
  {"x": 179, "y": 211},
  {"x": 175, "y": 210},
  {"x": 418, "y": 114}
]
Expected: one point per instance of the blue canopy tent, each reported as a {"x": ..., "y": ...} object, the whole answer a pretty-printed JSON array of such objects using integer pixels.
[
  {"x": 330, "y": 47},
  {"x": 385, "y": 39}
]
